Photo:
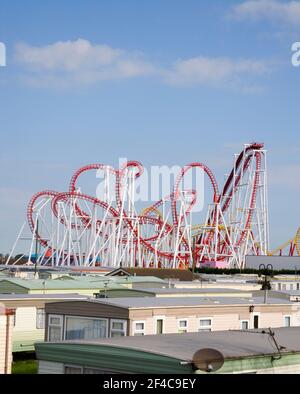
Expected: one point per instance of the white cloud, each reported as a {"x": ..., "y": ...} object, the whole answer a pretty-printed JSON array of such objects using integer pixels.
[
  {"x": 205, "y": 70},
  {"x": 79, "y": 62},
  {"x": 287, "y": 12},
  {"x": 67, "y": 56},
  {"x": 69, "y": 62}
]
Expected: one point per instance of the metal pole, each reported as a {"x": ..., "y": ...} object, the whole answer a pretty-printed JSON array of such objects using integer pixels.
[
  {"x": 36, "y": 248},
  {"x": 266, "y": 291}
]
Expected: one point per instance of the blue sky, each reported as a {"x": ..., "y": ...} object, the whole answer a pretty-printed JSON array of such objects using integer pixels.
[{"x": 162, "y": 82}]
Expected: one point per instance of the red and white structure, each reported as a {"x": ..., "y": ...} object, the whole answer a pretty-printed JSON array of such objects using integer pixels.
[
  {"x": 75, "y": 229},
  {"x": 290, "y": 248}
]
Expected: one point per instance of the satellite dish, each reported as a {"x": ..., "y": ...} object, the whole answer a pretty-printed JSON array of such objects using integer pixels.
[{"x": 208, "y": 360}]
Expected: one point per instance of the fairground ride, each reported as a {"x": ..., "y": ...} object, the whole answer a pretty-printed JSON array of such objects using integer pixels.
[
  {"x": 72, "y": 228},
  {"x": 289, "y": 248}
]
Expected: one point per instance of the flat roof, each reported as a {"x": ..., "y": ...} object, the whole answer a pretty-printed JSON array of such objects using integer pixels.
[
  {"x": 232, "y": 343},
  {"x": 32, "y": 267},
  {"x": 87, "y": 278},
  {"x": 285, "y": 280},
  {"x": 237, "y": 278},
  {"x": 117, "y": 279},
  {"x": 278, "y": 262},
  {"x": 54, "y": 284},
  {"x": 185, "y": 290},
  {"x": 13, "y": 296},
  {"x": 154, "y": 302},
  {"x": 213, "y": 282},
  {"x": 290, "y": 292},
  {"x": 136, "y": 279}
]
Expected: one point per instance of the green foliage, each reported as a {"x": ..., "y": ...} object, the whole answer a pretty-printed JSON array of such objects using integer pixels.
[
  {"x": 232, "y": 271},
  {"x": 24, "y": 367}
]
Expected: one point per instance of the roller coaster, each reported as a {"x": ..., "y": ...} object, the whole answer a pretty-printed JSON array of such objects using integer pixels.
[
  {"x": 73, "y": 228},
  {"x": 289, "y": 248}
]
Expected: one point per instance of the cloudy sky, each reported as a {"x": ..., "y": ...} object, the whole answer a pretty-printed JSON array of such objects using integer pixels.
[{"x": 163, "y": 82}]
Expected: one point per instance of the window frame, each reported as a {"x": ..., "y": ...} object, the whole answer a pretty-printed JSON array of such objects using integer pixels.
[
  {"x": 87, "y": 318},
  {"x": 156, "y": 318},
  {"x": 111, "y": 329},
  {"x": 14, "y": 319},
  {"x": 205, "y": 328},
  {"x": 99, "y": 371},
  {"x": 102, "y": 371},
  {"x": 183, "y": 330},
  {"x": 73, "y": 366},
  {"x": 61, "y": 326},
  {"x": 259, "y": 316},
  {"x": 135, "y": 331},
  {"x": 60, "y": 317},
  {"x": 290, "y": 317},
  {"x": 245, "y": 321},
  {"x": 37, "y": 321}
]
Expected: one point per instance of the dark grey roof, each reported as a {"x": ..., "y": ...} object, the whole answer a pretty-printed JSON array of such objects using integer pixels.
[
  {"x": 232, "y": 344},
  {"x": 155, "y": 302}
]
